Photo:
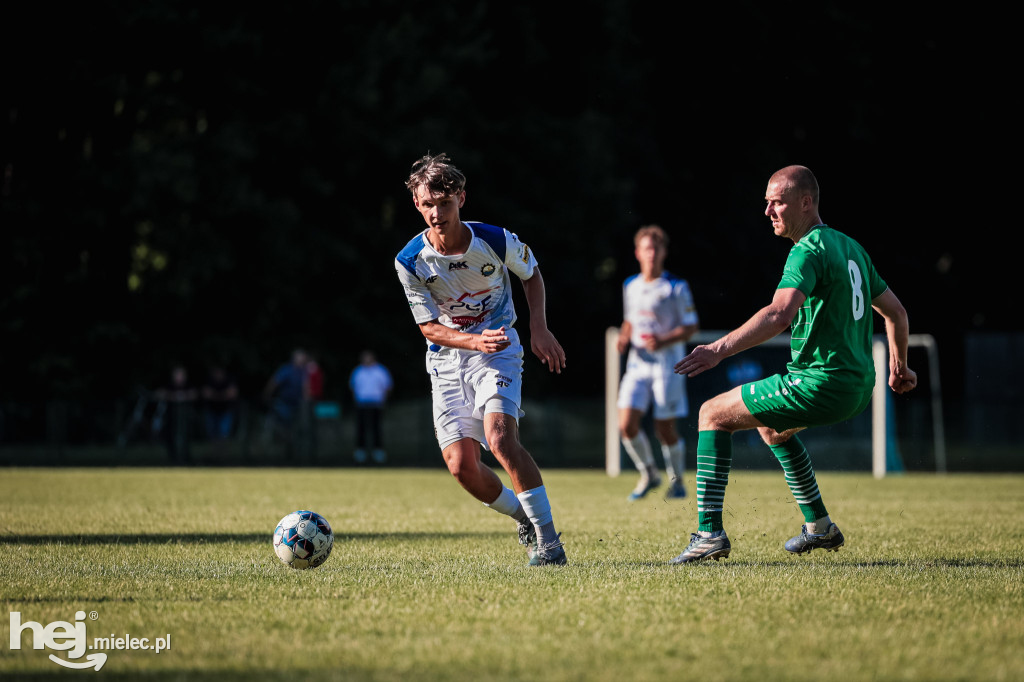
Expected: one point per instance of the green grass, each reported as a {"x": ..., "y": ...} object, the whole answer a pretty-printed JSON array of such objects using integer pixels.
[{"x": 426, "y": 584}]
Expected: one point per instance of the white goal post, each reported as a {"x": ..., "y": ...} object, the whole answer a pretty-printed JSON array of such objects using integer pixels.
[
  {"x": 879, "y": 413},
  {"x": 882, "y": 394}
]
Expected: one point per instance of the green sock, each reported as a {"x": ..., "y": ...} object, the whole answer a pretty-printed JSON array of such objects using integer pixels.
[
  {"x": 796, "y": 463},
  {"x": 714, "y": 459}
]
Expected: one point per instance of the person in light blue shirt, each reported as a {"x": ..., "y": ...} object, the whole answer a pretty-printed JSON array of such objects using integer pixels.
[{"x": 371, "y": 384}]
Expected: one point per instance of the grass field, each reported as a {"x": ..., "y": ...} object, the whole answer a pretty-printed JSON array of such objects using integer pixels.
[{"x": 426, "y": 584}]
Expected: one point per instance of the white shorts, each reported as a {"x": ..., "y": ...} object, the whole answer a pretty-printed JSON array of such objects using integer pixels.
[
  {"x": 466, "y": 385},
  {"x": 653, "y": 379}
]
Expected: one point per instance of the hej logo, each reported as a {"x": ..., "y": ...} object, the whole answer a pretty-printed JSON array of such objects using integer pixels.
[{"x": 71, "y": 637}]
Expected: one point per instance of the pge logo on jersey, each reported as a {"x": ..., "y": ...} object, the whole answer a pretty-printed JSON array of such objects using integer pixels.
[{"x": 71, "y": 637}]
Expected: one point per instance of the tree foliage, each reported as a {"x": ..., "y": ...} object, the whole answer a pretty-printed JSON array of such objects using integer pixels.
[{"x": 213, "y": 182}]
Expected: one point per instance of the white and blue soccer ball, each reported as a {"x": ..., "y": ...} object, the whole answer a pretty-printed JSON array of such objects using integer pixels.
[{"x": 303, "y": 539}]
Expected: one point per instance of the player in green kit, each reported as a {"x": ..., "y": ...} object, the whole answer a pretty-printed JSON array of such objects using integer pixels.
[{"x": 829, "y": 287}]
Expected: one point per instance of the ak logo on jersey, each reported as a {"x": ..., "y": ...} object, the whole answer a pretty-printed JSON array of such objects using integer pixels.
[
  {"x": 488, "y": 270},
  {"x": 458, "y": 265},
  {"x": 431, "y": 279}
]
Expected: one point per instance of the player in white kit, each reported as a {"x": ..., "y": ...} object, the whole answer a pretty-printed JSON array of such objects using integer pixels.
[
  {"x": 659, "y": 317},
  {"x": 456, "y": 280}
]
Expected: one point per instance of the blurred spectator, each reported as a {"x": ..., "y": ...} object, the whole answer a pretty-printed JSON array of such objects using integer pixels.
[
  {"x": 172, "y": 418},
  {"x": 220, "y": 404},
  {"x": 287, "y": 393},
  {"x": 370, "y": 383},
  {"x": 316, "y": 379}
]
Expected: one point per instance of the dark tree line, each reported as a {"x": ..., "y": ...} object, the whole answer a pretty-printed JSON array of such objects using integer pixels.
[{"x": 205, "y": 182}]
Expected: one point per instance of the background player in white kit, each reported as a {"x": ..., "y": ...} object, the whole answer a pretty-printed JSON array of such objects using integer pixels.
[
  {"x": 455, "y": 276},
  {"x": 659, "y": 317}
]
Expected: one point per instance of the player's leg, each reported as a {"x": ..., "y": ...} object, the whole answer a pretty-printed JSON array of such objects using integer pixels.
[
  {"x": 633, "y": 401},
  {"x": 818, "y": 530},
  {"x": 502, "y": 434},
  {"x": 786, "y": 405},
  {"x": 463, "y": 460},
  {"x": 638, "y": 447},
  {"x": 673, "y": 450},
  {"x": 719, "y": 418},
  {"x": 459, "y": 432},
  {"x": 670, "y": 403}
]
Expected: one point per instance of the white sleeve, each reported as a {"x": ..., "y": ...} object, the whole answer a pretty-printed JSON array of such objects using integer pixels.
[
  {"x": 421, "y": 303},
  {"x": 684, "y": 303},
  {"x": 519, "y": 257}
]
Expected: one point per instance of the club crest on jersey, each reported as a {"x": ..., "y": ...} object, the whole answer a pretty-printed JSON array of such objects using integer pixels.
[
  {"x": 526, "y": 254},
  {"x": 458, "y": 265},
  {"x": 487, "y": 270}
]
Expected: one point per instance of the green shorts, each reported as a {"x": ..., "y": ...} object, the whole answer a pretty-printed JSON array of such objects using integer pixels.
[{"x": 785, "y": 401}]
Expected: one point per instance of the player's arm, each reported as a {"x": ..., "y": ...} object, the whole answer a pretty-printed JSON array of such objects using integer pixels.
[
  {"x": 488, "y": 341},
  {"x": 681, "y": 333},
  {"x": 765, "y": 324},
  {"x": 542, "y": 341},
  {"x": 688, "y": 321},
  {"x": 897, "y": 330},
  {"x": 423, "y": 308},
  {"x": 625, "y": 333}
]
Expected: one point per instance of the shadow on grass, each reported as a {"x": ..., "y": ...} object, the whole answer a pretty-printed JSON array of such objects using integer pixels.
[
  {"x": 213, "y": 676},
  {"x": 220, "y": 538},
  {"x": 192, "y": 676},
  {"x": 916, "y": 564},
  {"x": 970, "y": 562}
]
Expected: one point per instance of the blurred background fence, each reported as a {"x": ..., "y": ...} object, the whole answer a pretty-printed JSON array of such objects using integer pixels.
[{"x": 981, "y": 426}]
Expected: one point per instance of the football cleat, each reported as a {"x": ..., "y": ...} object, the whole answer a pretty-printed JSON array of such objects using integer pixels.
[
  {"x": 646, "y": 485},
  {"x": 550, "y": 554},
  {"x": 700, "y": 548},
  {"x": 675, "y": 491},
  {"x": 830, "y": 541}
]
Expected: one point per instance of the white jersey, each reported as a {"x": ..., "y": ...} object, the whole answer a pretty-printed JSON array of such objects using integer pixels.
[
  {"x": 657, "y": 307},
  {"x": 470, "y": 291}
]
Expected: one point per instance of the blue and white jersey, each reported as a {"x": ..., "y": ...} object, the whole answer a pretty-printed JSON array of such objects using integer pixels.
[
  {"x": 470, "y": 291},
  {"x": 657, "y": 307}
]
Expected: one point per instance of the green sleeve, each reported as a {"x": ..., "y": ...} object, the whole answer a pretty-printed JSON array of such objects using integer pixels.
[{"x": 801, "y": 270}]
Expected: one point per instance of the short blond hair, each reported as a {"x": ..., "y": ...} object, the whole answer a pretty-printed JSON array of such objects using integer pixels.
[{"x": 658, "y": 235}]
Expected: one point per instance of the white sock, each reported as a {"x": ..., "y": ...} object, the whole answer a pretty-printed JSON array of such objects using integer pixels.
[
  {"x": 675, "y": 459},
  {"x": 639, "y": 450},
  {"x": 535, "y": 503},
  {"x": 819, "y": 526},
  {"x": 508, "y": 504}
]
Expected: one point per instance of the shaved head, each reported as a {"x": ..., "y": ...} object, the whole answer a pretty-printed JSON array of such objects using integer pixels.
[{"x": 796, "y": 178}]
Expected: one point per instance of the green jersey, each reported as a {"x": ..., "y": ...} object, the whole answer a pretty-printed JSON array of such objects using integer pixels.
[{"x": 831, "y": 334}]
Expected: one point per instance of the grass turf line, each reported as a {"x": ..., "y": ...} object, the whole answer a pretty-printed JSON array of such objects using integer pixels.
[{"x": 426, "y": 583}]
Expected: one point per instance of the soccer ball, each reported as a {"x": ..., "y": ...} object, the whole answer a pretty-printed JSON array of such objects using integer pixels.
[{"x": 303, "y": 539}]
